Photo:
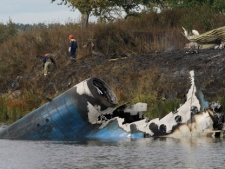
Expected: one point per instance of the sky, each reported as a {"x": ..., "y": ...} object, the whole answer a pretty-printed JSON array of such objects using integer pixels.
[{"x": 36, "y": 11}]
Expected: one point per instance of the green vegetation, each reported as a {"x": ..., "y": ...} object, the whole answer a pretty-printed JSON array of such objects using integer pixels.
[
  {"x": 106, "y": 9},
  {"x": 109, "y": 10},
  {"x": 21, "y": 52}
]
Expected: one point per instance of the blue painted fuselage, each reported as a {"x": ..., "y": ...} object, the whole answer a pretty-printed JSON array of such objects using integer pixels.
[{"x": 66, "y": 117}]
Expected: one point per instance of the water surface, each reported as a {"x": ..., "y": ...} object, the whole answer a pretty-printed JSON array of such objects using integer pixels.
[{"x": 151, "y": 153}]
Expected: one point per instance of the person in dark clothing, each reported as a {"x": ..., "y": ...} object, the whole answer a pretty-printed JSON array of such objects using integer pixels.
[
  {"x": 48, "y": 62},
  {"x": 72, "y": 48}
]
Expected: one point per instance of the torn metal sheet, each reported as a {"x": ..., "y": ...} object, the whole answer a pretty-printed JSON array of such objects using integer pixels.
[
  {"x": 88, "y": 111},
  {"x": 211, "y": 39}
]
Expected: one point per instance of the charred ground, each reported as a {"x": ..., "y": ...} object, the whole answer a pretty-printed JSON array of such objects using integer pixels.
[
  {"x": 154, "y": 78},
  {"x": 171, "y": 72}
]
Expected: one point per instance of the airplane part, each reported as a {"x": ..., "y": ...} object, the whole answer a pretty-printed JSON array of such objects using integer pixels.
[
  {"x": 211, "y": 39},
  {"x": 88, "y": 111},
  {"x": 70, "y": 115}
]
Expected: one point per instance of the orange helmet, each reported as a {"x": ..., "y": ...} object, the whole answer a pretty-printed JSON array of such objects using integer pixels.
[{"x": 71, "y": 36}]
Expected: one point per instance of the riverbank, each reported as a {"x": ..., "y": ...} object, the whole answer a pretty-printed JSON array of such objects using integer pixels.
[{"x": 151, "y": 66}]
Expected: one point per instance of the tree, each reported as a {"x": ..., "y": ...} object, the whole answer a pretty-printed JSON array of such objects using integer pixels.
[
  {"x": 7, "y": 31},
  {"x": 86, "y": 7},
  {"x": 104, "y": 8},
  {"x": 217, "y": 5},
  {"x": 129, "y": 6}
]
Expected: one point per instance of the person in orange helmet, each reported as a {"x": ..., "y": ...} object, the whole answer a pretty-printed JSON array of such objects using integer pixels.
[{"x": 72, "y": 48}]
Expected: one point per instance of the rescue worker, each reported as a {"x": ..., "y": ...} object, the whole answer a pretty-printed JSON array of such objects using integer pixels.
[
  {"x": 72, "y": 48},
  {"x": 48, "y": 62}
]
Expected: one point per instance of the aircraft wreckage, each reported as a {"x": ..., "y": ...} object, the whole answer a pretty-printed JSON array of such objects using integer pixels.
[
  {"x": 211, "y": 39},
  {"x": 88, "y": 111}
]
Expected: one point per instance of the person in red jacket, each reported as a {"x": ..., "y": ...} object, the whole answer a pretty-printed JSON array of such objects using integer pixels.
[
  {"x": 72, "y": 48},
  {"x": 48, "y": 62}
]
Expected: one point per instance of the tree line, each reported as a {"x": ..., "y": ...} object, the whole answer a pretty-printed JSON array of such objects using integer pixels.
[
  {"x": 107, "y": 10},
  {"x": 11, "y": 29}
]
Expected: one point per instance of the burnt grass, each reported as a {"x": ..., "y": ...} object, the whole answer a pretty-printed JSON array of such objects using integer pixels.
[
  {"x": 163, "y": 76},
  {"x": 171, "y": 66}
]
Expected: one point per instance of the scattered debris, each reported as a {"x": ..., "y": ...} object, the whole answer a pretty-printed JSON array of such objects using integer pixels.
[
  {"x": 190, "y": 36},
  {"x": 211, "y": 39},
  {"x": 192, "y": 47},
  {"x": 117, "y": 56}
]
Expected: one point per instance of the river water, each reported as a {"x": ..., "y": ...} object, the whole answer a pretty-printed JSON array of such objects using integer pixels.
[{"x": 148, "y": 153}]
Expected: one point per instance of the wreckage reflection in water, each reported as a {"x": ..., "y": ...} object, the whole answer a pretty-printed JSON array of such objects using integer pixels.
[
  {"x": 157, "y": 153},
  {"x": 88, "y": 110}
]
